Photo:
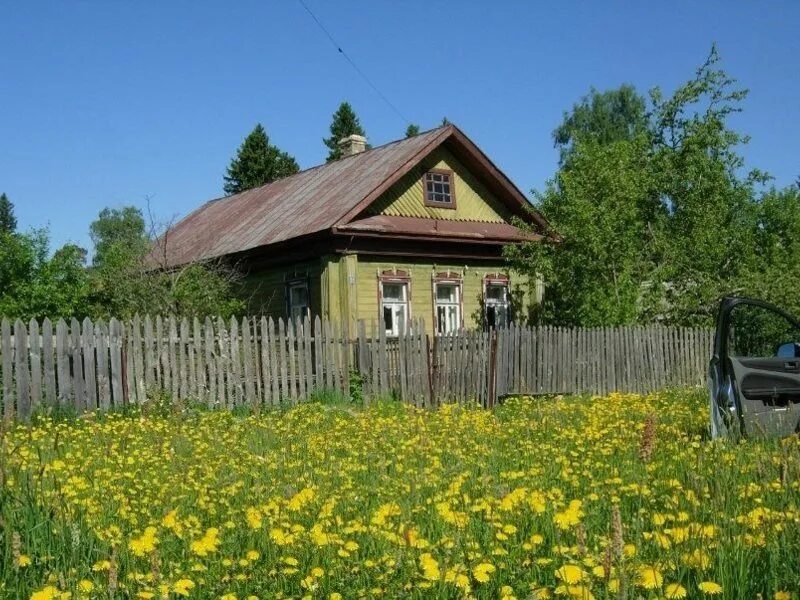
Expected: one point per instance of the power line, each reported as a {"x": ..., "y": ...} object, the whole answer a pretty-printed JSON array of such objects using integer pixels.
[{"x": 353, "y": 64}]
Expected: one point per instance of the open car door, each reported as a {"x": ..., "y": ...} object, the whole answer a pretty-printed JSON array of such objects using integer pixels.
[{"x": 754, "y": 374}]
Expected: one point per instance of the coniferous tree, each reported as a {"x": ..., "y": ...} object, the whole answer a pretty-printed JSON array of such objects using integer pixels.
[
  {"x": 8, "y": 222},
  {"x": 345, "y": 123},
  {"x": 412, "y": 130},
  {"x": 257, "y": 162}
]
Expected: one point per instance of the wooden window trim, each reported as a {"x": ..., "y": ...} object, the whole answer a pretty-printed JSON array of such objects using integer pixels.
[
  {"x": 448, "y": 277},
  {"x": 449, "y": 205},
  {"x": 296, "y": 282},
  {"x": 498, "y": 279},
  {"x": 393, "y": 276}
]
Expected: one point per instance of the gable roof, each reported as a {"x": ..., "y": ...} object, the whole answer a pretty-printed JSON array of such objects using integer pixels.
[{"x": 324, "y": 198}]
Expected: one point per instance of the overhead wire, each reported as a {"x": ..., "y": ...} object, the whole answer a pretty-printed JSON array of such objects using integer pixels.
[{"x": 361, "y": 73}]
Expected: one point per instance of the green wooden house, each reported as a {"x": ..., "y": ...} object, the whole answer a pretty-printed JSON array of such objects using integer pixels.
[{"x": 411, "y": 229}]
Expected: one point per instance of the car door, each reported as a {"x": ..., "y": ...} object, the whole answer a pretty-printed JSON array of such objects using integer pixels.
[{"x": 754, "y": 374}]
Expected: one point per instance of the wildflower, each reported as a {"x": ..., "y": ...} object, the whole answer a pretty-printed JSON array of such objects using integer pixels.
[
  {"x": 570, "y": 517},
  {"x": 674, "y": 590},
  {"x": 228, "y": 597},
  {"x": 570, "y": 574},
  {"x": 430, "y": 567},
  {"x": 47, "y": 593},
  {"x": 23, "y": 561},
  {"x": 144, "y": 544},
  {"x": 86, "y": 586},
  {"x": 578, "y": 592},
  {"x": 206, "y": 544},
  {"x": 254, "y": 519},
  {"x": 783, "y": 596},
  {"x": 649, "y": 577},
  {"x": 483, "y": 572},
  {"x": 710, "y": 587},
  {"x": 182, "y": 587}
]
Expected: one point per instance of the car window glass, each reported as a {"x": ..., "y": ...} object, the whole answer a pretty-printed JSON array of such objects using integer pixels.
[{"x": 759, "y": 332}]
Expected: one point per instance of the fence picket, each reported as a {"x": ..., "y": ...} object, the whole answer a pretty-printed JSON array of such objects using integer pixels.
[
  {"x": 137, "y": 375},
  {"x": 266, "y": 363},
  {"x": 210, "y": 373},
  {"x": 250, "y": 397},
  {"x": 282, "y": 360},
  {"x": 273, "y": 362},
  {"x": 309, "y": 351},
  {"x": 115, "y": 361},
  {"x": 48, "y": 357},
  {"x": 8, "y": 374},
  {"x": 292, "y": 362},
  {"x": 35, "y": 349},
  {"x": 103, "y": 380},
  {"x": 22, "y": 372},
  {"x": 197, "y": 365}
]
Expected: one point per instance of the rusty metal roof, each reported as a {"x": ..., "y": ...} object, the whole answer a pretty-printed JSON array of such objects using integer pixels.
[
  {"x": 438, "y": 228},
  {"x": 310, "y": 201}
]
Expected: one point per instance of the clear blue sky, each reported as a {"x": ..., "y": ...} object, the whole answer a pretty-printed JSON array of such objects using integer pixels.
[{"x": 107, "y": 103}]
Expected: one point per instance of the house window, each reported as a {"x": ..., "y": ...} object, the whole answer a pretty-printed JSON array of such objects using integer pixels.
[
  {"x": 496, "y": 305},
  {"x": 448, "y": 306},
  {"x": 394, "y": 306},
  {"x": 298, "y": 300},
  {"x": 439, "y": 189}
]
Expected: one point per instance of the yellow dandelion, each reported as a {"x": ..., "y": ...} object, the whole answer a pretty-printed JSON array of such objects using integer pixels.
[
  {"x": 649, "y": 578},
  {"x": 483, "y": 572},
  {"x": 710, "y": 587},
  {"x": 570, "y": 574},
  {"x": 674, "y": 590}
]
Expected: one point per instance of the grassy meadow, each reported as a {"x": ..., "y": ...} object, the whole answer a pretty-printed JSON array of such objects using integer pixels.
[{"x": 607, "y": 497}]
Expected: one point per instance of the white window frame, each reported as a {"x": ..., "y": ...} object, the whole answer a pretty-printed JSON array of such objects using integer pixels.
[
  {"x": 504, "y": 304},
  {"x": 451, "y": 306},
  {"x": 299, "y": 309},
  {"x": 395, "y": 306}
]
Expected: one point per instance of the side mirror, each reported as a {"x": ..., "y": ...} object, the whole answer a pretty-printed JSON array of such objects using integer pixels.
[{"x": 788, "y": 350}]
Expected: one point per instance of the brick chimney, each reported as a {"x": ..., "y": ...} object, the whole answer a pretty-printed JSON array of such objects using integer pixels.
[{"x": 353, "y": 144}]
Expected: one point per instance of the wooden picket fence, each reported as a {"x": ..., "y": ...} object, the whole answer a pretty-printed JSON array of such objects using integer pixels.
[{"x": 258, "y": 362}]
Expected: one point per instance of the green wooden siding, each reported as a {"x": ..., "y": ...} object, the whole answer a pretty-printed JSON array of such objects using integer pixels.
[
  {"x": 473, "y": 201},
  {"x": 421, "y": 300},
  {"x": 265, "y": 291}
]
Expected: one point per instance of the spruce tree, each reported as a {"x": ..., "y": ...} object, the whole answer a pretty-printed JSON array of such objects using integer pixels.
[
  {"x": 8, "y": 222},
  {"x": 345, "y": 123},
  {"x": 412, "y": 130},
  {"x": 257, "y": 162}
]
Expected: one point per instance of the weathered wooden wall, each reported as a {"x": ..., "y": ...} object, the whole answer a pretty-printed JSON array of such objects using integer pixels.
[{"x": 258, "y": 362}]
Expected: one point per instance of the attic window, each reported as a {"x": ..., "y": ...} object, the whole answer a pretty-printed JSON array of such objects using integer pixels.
[{"x": 439, "y": 188}]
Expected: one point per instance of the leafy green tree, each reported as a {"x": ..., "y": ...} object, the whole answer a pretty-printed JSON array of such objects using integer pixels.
[
  {"x": 604, "y": 207},
  {"x": 8, "y": 222},
  {"x": 118, "y": 227},
  {"x": 344, "y": 123},
  {"x": 257, "y": 162},
  {"x": 128, "y": 278},
  {"x": 774, "y": 274},
  {"x": 658, "y": 220},
  {"x": 412, "y": 130},
  {"x": 35, "y": 285},
  {"x": 707, "y": 241},
  {"x": 605, "y": 117}
]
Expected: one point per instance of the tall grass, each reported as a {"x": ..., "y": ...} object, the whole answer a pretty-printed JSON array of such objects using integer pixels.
[{"x": 621, "y": 496}]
